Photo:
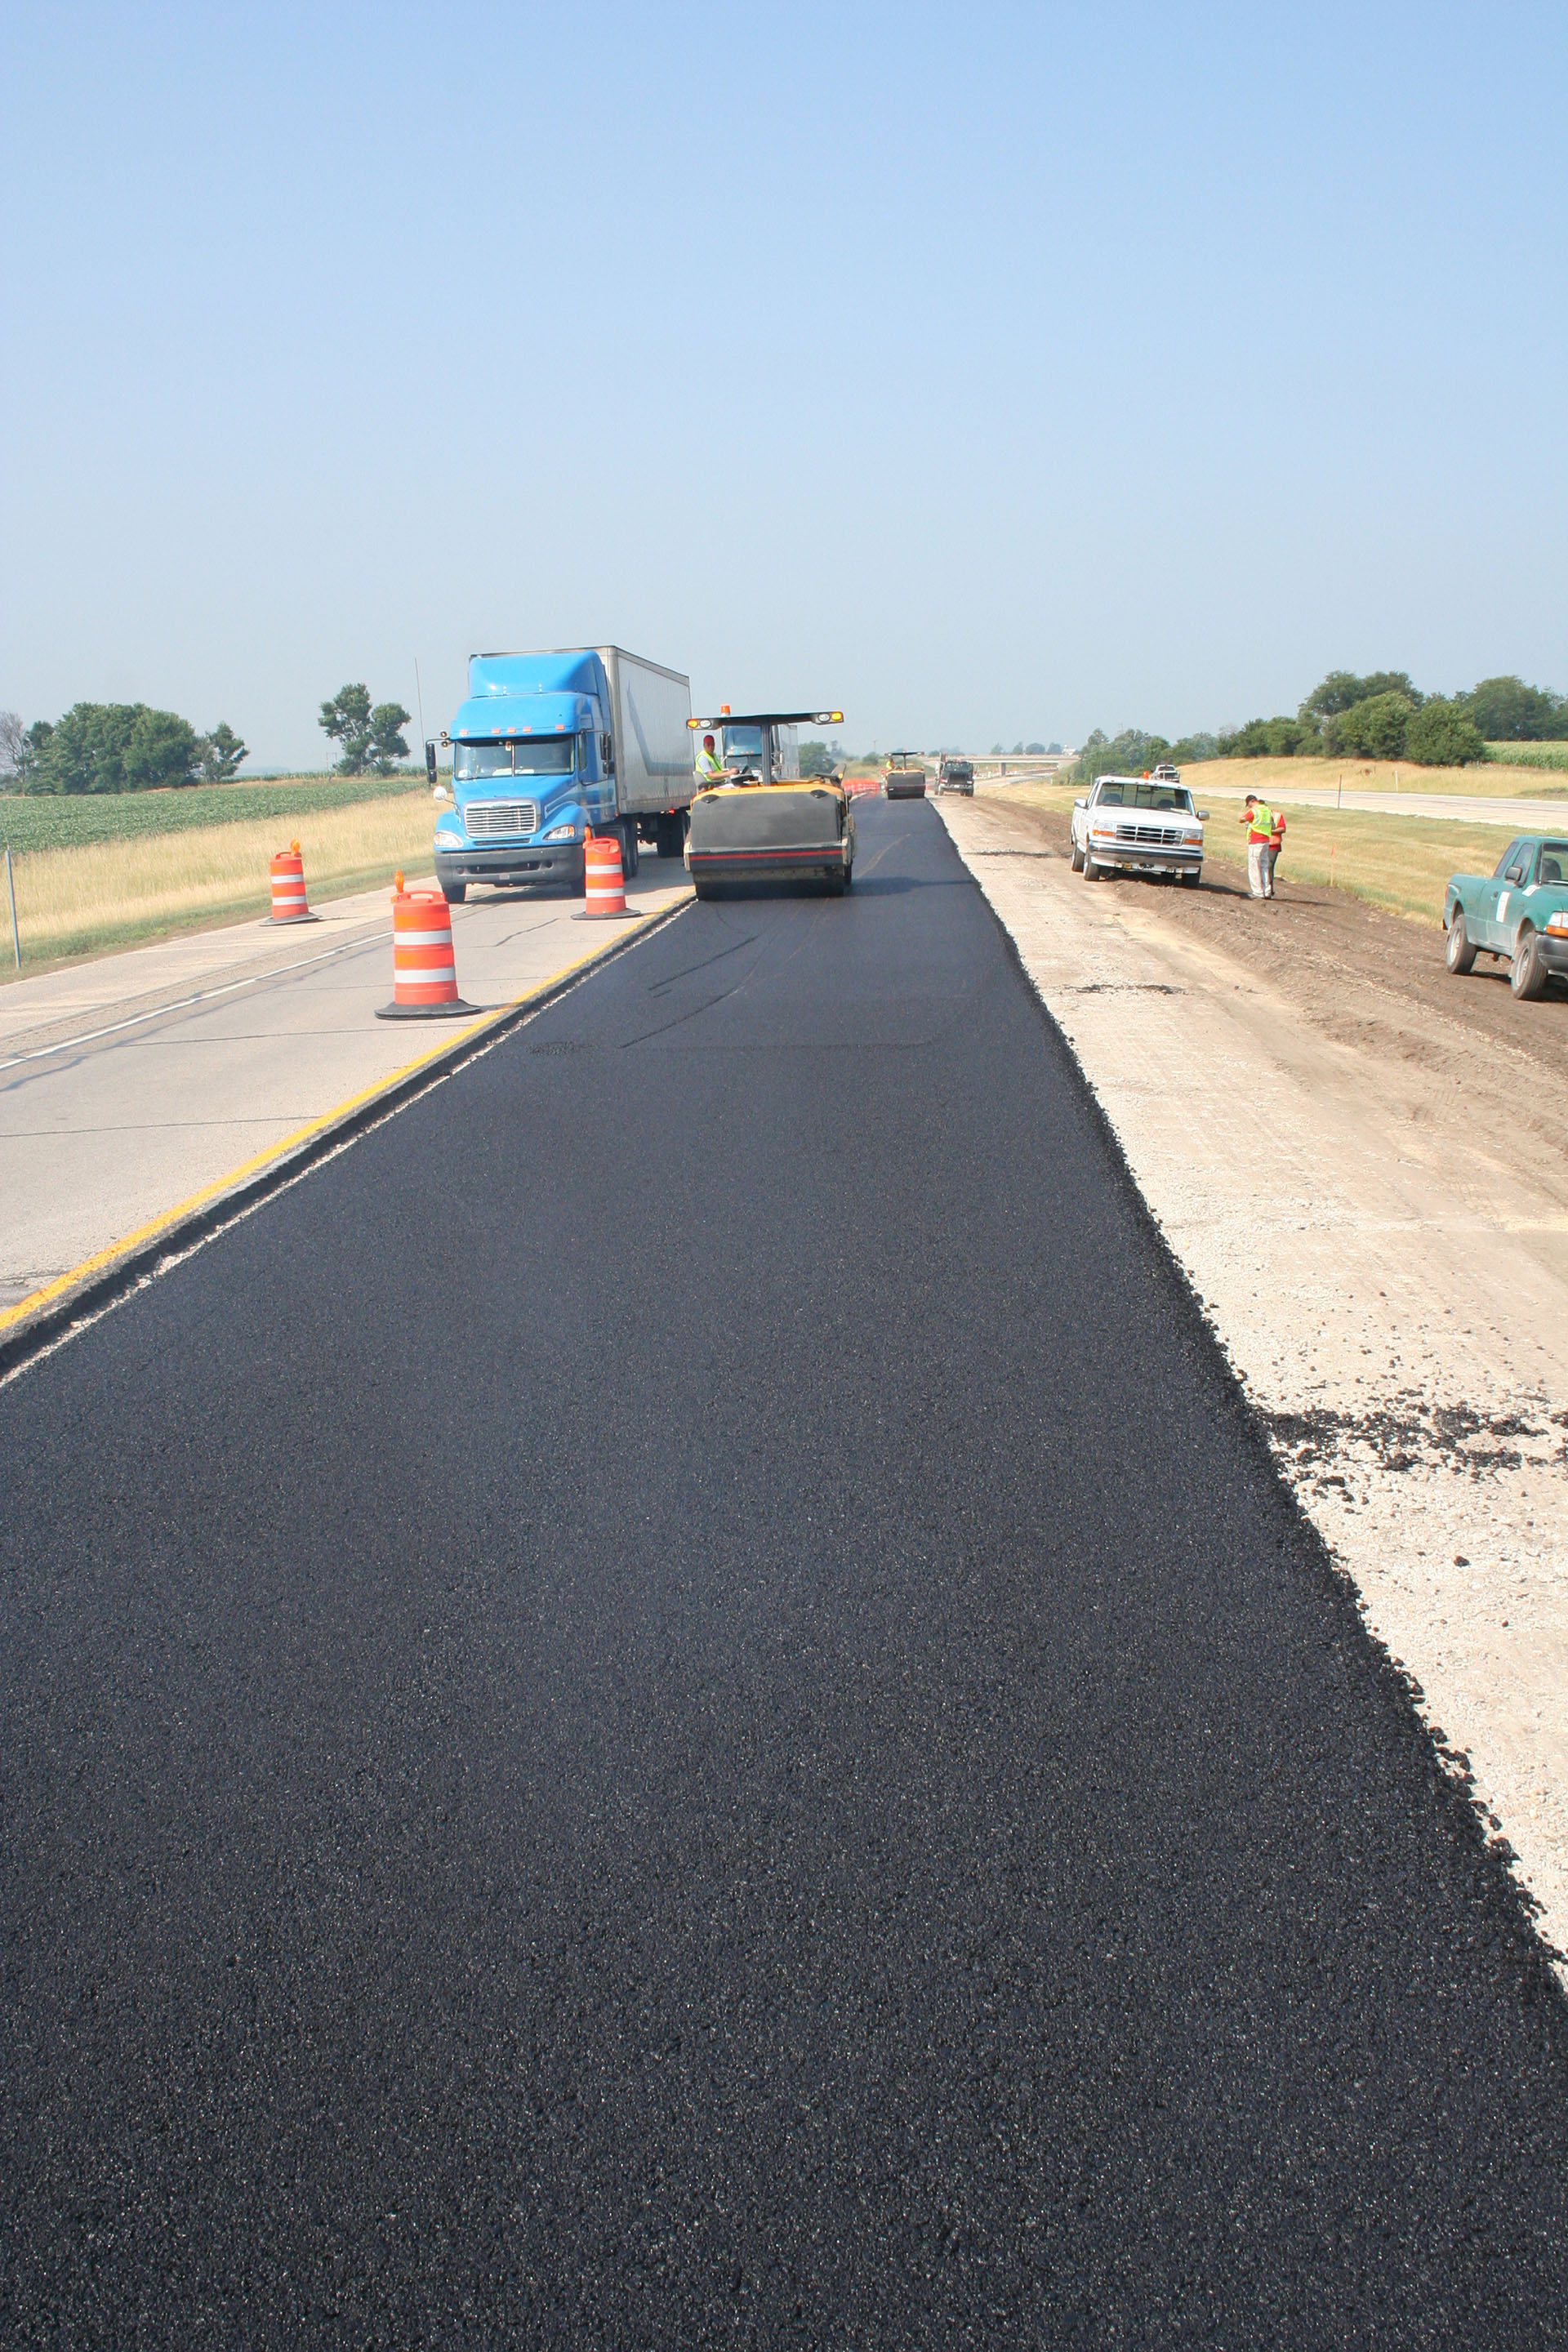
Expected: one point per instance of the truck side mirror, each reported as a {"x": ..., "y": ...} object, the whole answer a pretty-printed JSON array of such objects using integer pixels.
[{"x": 430, "y": 762}]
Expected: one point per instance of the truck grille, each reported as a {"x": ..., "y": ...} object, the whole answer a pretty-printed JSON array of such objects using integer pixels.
[
  {"x": 1161, "y": 836},
  {"x": 502, "y": 820}
]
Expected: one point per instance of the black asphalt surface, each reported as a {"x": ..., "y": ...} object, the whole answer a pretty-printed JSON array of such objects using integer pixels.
[{"x": 672, "y": 1704}]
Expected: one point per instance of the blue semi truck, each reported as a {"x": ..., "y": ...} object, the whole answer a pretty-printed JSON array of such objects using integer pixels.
[{"x": 550, "y": 746}]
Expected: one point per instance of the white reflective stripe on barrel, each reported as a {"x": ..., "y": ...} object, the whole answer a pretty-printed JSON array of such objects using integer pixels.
[{"x": 421, "y": 938}]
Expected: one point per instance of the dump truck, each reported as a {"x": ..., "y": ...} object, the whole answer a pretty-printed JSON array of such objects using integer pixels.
[
  {"x": 550, "y": 746},
  {"x": 763, "y": 822}
]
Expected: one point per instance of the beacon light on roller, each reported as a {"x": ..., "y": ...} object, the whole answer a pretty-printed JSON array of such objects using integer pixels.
[{"x": 762, "y": 822}]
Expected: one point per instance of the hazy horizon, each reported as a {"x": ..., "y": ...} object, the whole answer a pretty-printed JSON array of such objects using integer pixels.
[{"x": 987, "y": 376}]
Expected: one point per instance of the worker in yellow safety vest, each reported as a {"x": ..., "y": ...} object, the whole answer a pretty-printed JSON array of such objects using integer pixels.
[
  {"x": 709, "y": 766},
  {"x": 1258, "y": 819}
]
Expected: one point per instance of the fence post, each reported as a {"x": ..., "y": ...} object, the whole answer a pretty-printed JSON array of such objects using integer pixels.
[{"x": 11, "y": 894}]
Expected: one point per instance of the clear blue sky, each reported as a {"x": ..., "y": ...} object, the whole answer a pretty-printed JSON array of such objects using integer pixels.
[{"x": 987, "y": 371}]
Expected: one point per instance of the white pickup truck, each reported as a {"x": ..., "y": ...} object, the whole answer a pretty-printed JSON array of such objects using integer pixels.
[{"x": 1144, "y": 824}]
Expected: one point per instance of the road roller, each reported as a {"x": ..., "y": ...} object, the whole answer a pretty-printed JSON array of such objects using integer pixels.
[{"x": 760, "y": 820}]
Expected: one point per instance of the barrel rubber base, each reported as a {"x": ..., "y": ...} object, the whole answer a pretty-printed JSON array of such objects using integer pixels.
[
  {"x": 611, "y": 914},
  {"x": 286, "y": 922},
  {"x": 427, "y": 1012}
]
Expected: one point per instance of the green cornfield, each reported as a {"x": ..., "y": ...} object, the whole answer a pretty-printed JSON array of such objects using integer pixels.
[{"x": 33, "y": 821}]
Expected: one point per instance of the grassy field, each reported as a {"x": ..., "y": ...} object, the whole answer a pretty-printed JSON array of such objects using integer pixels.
[
  {"x": 30, "y": 820},
  {"x": 80, "y": 899},
  {"x": 1399, "y": 862},
  {"x": 1488, "y": 783}
]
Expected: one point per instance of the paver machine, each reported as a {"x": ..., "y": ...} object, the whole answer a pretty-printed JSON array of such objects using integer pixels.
[{"x": 763, "y": 821}]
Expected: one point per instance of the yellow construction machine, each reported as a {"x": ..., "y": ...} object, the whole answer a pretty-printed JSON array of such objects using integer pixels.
[{"x": 761, "y": 821}]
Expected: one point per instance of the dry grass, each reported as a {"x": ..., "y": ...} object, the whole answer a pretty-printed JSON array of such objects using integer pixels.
[
  {"x": 1521, "y": 783},
  {"x": 75, "y": 902},
  {"x": 1399, "y": 862}
]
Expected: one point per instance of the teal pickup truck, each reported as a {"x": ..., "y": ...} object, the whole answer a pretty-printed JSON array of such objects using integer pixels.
[{"x": 1520, "y": 912}]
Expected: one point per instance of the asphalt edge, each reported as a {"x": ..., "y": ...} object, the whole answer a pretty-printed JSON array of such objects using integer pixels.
[
  {"x": 1516, "y": 1909},
  {"x": 38, "y": 1333}
]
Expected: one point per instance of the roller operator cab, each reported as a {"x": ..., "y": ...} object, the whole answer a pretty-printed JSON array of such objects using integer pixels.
[
  {"x": 552, "y": 746},
  {"x": 765, "y": 822}
]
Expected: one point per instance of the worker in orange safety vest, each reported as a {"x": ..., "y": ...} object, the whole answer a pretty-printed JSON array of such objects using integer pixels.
[
  {"x": 1258, "y": 819},
  {"x": 1275, "y": 843}
]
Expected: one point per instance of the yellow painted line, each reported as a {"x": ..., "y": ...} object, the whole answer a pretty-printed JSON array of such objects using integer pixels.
[{"x": 102, "y": 1260}]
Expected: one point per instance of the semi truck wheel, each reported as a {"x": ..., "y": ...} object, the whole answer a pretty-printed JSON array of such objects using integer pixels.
[
  {"x": 628, "y": 832},
  {"x": 454, "y": 893}
]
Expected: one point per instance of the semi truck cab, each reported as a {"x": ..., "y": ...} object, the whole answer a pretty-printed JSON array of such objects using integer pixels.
[{"x": 539, "y": 762}]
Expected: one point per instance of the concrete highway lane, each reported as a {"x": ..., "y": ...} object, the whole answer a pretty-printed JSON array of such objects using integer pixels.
[{"x": 670, "y": 1704}]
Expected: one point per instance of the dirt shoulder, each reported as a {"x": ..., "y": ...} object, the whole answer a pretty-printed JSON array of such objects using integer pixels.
[
  {"x": 1362, "y": 1164},
  {"x": 1357, "y": 974}
]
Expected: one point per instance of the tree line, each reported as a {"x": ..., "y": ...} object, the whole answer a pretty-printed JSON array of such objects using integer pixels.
[
  {"x": 114, "y": 747},
  {"x": 1381, "y": 716},
  {"x": 128, "y": 747}
]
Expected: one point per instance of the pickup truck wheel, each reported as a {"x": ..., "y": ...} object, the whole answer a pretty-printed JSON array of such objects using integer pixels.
[
  {"x": 1528, "y": 977},
  {"x": 1076, "y": 859},
  {"x": 1191, "y": 879},
  {"x": 1090, "y": 870},
  {"x": 1459, "y": 955},
  {"x": 454, "y": 893}
]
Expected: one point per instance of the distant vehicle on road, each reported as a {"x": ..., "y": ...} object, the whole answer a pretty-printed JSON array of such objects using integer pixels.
[
  {"x": 1138, "y": 824},
  {"x": 905, "y": 777},
  {"x": 549, "y": 744},
  {"x": 767, "y": 822},
  {"x": 1518, "y": 915},
  {"x": 955, "y": 776},
  {"x": 1164, "y": 774}
]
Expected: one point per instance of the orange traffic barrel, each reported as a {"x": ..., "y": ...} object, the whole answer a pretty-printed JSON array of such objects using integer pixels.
[
  {"x": 288, "y": 901},
  {"x": 603, "y": 889},
  {"x": 424, "y": 967}
]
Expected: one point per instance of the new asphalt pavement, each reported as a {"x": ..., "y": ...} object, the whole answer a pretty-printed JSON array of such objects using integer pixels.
[{"x": 672, "y": 1703}]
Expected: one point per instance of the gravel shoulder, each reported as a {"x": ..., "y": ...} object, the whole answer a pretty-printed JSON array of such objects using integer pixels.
[{"x": 1362, "y": 1164}]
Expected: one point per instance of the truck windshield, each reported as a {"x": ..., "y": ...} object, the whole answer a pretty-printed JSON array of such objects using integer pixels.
[
  {"x": 742, "y": 747},
  {"x": 532, "y": 755},
  {"x": 1146, "y": 796}
]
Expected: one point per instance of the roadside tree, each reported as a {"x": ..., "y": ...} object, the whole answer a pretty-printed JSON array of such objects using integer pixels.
[
  {"x": 1342, "y": 690},
  {"x": 13, "y": 746},
  {"x": 1506, "y": 710},
  {"x": 1439, "y": 735},
  {"x": 115, "y": 747},
  {"x": 386, "y": 744},
  {"x": 1372, "y": 728},
  {"x": 219, "y": 755},
  {"x": 346, "y": 720},
  {"x": 31, "y": 753}
]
